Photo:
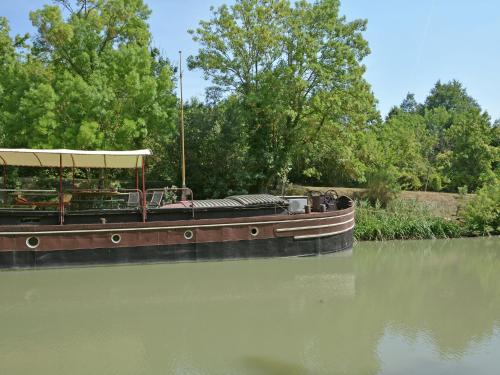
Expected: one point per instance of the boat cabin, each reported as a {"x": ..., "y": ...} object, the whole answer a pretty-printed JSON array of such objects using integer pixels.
[{"x": 67, "y": 203}]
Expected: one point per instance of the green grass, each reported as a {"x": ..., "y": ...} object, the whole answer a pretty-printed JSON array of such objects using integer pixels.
[{"x": 402, "y": 219}]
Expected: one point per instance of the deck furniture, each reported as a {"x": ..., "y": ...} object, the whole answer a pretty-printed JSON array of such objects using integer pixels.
[
  {"x": 23, "y": 201},
  {"x": 156, "y": 199},
  {"x": 134, "y": 199}
]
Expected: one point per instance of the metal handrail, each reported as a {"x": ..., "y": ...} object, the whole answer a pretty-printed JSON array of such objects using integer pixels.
[
  {"x": 120, "y": 192},
  {"x": 28, "y": 191},
  {"x": 96, "y": 192}
]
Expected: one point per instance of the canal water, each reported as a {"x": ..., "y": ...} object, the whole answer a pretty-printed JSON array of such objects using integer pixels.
[{"x": 413, "y": 307}]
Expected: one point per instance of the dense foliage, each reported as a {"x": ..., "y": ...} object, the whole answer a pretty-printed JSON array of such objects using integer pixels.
[
  {"x": 306, "y": 114},
  {"x": 288, "y": 101},
  {"x": 296, "y": 73},
  {"x": 455, "y": 145},
  {"x": 88, "y": 79}
]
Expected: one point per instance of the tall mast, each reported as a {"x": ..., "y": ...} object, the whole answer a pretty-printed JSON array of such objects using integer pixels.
[{"x": 183, "y": 156}]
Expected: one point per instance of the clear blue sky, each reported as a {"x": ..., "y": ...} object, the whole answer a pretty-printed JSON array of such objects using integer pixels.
[{"x": 413, "y": 43}]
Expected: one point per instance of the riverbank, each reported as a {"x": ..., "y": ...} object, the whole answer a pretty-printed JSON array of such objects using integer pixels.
[{"x": 416, "y": 215}]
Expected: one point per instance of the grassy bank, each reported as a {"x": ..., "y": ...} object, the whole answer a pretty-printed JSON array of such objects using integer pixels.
[{"x": 402, "y": 219}]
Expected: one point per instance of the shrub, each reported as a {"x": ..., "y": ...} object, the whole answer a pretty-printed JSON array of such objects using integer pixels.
[
  {"x": 482, "y": 214},
  {"x": 383, "y": 187},
  {"x": 435, "y": 182}
]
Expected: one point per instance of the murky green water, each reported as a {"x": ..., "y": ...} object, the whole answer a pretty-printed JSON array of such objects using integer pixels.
[{"x": 417, "y": 307}]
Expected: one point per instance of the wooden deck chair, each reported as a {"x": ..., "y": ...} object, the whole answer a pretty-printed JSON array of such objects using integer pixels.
[{"x": 22, "y": 201}]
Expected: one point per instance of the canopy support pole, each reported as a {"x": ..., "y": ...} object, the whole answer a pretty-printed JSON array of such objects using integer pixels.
[
  {"x": 73, "y": 171},
  {"x": 183, "y": 152},
  {"x": 5, "y": 196},
  {"x": 144, "y": 209},
  {"x": 61, "y": 197},
  {"x": 137, "y": 178}
]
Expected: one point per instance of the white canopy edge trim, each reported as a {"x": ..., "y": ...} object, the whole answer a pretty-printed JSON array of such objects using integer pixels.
[
  {"x": 72, "y": 158},
  {"x": 144, "y": 152}
]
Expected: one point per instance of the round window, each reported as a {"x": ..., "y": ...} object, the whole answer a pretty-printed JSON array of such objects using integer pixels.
[
  {"x": 188, "y": 234},
  {"x": 254, "y": 231},
  {"x": 116, "y": 238},
  {"x": 32, "y": 242}
]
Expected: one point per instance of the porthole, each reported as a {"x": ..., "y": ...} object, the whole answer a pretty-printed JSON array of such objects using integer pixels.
[
  {"x": 116, "y": 238},
  {"x": 188, "y": 234},
  {"x": 32, "y": 242},
  {"x": 254, "y": 231}
]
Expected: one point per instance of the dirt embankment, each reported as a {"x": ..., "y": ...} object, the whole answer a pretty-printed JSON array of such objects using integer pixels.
[{"x": 442, "y": 204}]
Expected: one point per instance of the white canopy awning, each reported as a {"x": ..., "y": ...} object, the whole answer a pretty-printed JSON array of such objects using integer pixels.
[{"x": 72, "y": 158}]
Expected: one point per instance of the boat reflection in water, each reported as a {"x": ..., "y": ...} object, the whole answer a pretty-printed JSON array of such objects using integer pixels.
[{"x": 408, "y": 307}]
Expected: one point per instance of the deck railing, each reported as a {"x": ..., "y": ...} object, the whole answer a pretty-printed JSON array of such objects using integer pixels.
[
  {"x": 73, "y": 199},
  {"x": 107, "y": 199},
  {"x": 77, "y": 200}
]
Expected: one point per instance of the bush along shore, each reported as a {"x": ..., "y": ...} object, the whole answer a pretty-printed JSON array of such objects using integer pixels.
[
  {"x": 409, "y": 219},
  {"x": 402, "y": 219}
]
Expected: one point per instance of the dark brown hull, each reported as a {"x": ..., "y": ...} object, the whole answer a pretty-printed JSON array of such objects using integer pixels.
[{"x": 183, "y": 240}]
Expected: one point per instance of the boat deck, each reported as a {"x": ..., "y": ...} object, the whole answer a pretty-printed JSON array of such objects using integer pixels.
[{"x": 35, "y": 207}]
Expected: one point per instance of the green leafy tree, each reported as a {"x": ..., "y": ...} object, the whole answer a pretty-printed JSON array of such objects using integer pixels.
[
  {"x": 15, "y": 77},
  {"x": 451, "y": 96},
  {"x": 333, "y": 153},
  {"x": 495, "y": 143},
  {"x": 471, "y": 154},
  {"x": 405, "y": 142},
  {"x": 464, "y": 153},
  {"x": 409, "y": 104},
  {"x": 89, "y": 80},
  {"x": 217, "y": 144},
  {"x": 290, "y": 67}
]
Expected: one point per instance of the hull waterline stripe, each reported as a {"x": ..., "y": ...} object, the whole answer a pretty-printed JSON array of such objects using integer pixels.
[
  {"x": 314, "y": 226},
  {"x": 322, "y": 234},
  {"x": 144, "y": 229}
]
